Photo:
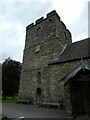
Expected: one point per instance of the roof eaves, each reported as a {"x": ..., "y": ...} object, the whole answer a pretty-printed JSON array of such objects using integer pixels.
[
  {"x": 74, "y": 72},
  {"x": 70, "y": 74},
  {"x": 64, "y": 61}
]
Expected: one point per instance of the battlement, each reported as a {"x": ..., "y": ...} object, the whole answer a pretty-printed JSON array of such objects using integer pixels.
[
  {"x": 53, "y": 13},
  {"x": 30, "y": 26},
  {"x": 38, "y": 21}
]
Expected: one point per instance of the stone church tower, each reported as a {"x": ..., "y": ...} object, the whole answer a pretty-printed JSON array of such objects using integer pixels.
[{"x": 45, "y": 41}]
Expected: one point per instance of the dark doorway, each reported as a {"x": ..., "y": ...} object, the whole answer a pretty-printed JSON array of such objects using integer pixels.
[
  {"x": 80, "y": 94},
  {"x": 38, "y": 95},
  {"x": 38, "y": 91}
]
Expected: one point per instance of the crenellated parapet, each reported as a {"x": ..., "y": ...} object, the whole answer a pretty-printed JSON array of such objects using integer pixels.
[{"x": 38, "y": 21}]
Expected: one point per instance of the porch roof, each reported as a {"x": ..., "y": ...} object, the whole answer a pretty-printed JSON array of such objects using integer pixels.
[{"x": 74, "y": 72}]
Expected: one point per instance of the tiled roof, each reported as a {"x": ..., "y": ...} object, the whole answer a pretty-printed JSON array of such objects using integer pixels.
[
  {"x": 77, "y": 50},
  {"x": 74, "y": 51}
]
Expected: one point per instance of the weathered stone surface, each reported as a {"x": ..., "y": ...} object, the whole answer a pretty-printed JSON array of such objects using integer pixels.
[{"x": 44, "y": 42}]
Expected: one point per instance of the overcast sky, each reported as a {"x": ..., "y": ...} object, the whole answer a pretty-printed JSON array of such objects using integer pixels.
[{"x": 15, "y": 16}]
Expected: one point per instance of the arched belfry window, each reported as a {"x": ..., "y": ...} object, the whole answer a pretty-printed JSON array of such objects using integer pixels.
[
  {"x": 39, "y": 77},
  {"x": 38, "y": 30}
]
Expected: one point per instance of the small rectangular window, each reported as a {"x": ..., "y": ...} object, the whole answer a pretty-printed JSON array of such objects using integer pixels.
[
  {"x": 37, "y": 48},
  {"x": 39, "y": 78}
]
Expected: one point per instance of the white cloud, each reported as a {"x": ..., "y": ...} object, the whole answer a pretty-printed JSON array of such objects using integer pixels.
[
  {"x": 12, "y": 42},
  {"x": 69, "y": 10},
  {"x": 5, "y": 26},
  {"x": 80, "y": 37}
]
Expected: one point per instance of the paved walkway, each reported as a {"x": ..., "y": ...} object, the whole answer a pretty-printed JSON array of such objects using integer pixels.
[{"x": 30, "y": 111}]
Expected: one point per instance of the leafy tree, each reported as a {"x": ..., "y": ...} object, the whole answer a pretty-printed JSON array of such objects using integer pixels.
[{"x": 10, "y": 77}]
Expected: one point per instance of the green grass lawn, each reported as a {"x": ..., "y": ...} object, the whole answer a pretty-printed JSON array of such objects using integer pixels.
[{"x": 9, "y": 100}]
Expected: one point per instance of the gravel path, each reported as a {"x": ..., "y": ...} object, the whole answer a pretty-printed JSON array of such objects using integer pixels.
[{"x": 30, "y": 111}]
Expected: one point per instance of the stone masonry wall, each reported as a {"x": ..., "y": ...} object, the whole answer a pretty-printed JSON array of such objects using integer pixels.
[
  {"x": 57, "y": 72},
  {"x": 45, "y": 41}
]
